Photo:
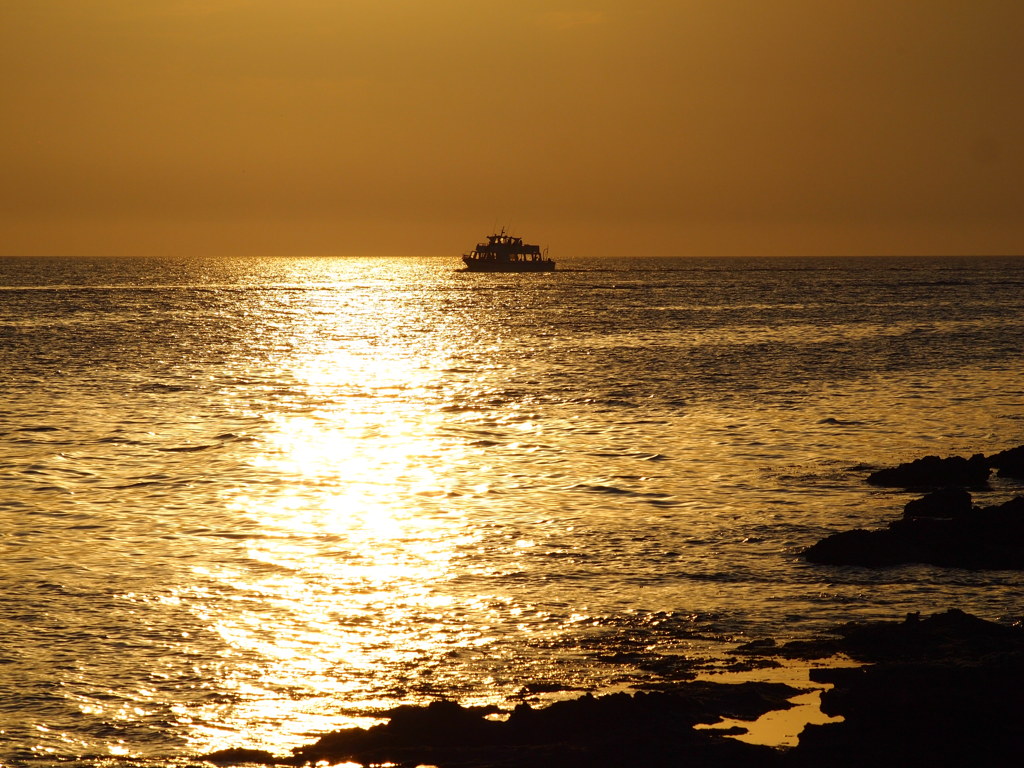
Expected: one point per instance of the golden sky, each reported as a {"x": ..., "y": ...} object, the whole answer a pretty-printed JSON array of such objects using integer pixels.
[{"x": 597, "y": 127}]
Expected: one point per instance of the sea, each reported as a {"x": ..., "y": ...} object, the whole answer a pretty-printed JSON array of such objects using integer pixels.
[{"x": 247, "y": 501}]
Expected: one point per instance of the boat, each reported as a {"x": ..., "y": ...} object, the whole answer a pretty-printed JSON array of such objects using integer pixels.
[{"x": 506, "y": 253}]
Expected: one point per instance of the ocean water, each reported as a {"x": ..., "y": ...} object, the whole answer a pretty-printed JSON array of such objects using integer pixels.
[{"x": 247, "y": 501}]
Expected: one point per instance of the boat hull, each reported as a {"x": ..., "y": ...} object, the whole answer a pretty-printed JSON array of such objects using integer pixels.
[{"x": 502, "y": 265}]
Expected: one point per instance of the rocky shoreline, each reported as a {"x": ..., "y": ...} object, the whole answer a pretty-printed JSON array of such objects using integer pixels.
[
  {"x": 941, "y": 690},
  {"x": 943, "y": 527},
  {"x": 944, "y": 690}
]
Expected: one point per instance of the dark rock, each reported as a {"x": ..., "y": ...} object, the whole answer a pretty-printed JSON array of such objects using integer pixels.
[
  {"x": 858, "y": 547},
  {"x": 437, "y": 724},
  {"x": 1009, "y": 463},
  {"x": 238, "y": 756},
  {"x": 945, "y": 502},
  {"x": 950, "y": 637},
  {"x": 945, "y": 691},
  {"x": 987, "y": 538},
  {"x": 653, "y": 729},
  {"x": 920, "y": 715},
  {"x": 953, "y": 637},
  {"x": 933, "y": 472},
  {"x": 941, "y": 691}
]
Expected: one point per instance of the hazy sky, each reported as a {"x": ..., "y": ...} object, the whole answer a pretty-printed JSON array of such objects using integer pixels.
[{"x": 606, "y": 127}]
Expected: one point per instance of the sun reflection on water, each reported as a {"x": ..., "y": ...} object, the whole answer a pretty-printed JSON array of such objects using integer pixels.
[{"x": 340, "y": 608}]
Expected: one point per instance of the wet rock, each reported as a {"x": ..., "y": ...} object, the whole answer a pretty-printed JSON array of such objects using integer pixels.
[
  {"x": 987, "y": 538},
  {"x": 919, "y": 715},
  {"x": 944, "y": 691},
  {"x": 654, "y": 729},
  {"x": 945, "y": 502},
  {"x": 859, "y": 547},
  {"x": 1009, "y": 463},
  {"x": 238, "y": 756},
  {"x": 935, "y": 472},
  {"x": 937, "y": 691},
  {"x": 950, "y": 637}
]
